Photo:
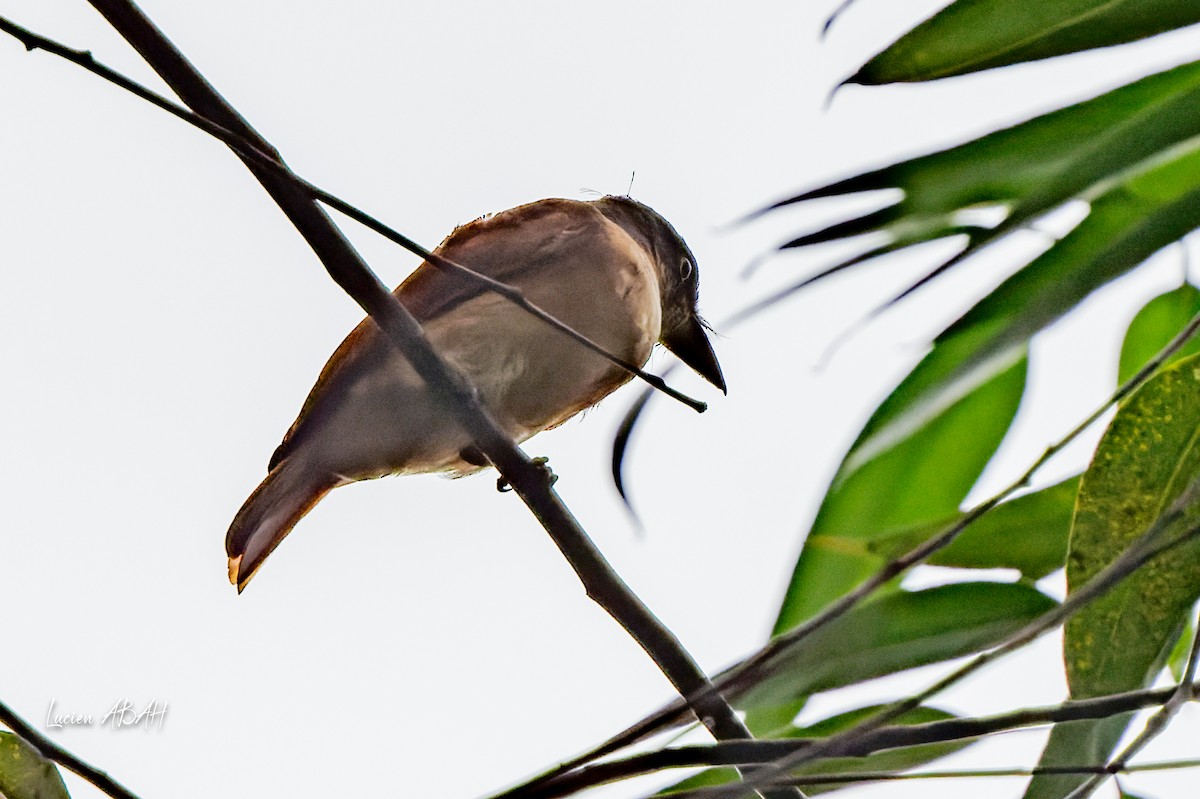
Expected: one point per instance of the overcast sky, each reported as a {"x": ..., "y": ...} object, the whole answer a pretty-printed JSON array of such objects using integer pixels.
[{"x": 161, "y": 323}]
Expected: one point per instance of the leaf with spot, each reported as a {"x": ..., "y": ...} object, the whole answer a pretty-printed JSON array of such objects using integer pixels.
[
  {"x": 1121, "y": 640},
  {"x": 25, "y": 774}
]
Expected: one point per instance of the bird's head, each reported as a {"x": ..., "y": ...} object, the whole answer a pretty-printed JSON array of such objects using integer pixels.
[{"x": 684, "y": 332}]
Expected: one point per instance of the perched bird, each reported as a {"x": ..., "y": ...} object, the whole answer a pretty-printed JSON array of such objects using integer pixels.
[{"x": 612, "y": 269}]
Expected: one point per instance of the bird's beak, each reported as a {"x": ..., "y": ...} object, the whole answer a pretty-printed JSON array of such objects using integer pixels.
[{"x": 691, "y": 345}]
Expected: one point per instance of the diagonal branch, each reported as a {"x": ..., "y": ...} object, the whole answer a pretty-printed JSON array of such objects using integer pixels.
[
  {"x": 352, "y": 274},
  {"x": 55, "y": 753},
  {"x": 844, "y": 780},
  {"x": 1145, "y": 548},
  {"x": 782, "y": 644},
  {"x": 270, "y": 161},
  {"x": 749, "y": 753}
]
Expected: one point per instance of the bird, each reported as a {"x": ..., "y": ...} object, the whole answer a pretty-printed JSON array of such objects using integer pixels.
[{"x": 611, "y": 268}]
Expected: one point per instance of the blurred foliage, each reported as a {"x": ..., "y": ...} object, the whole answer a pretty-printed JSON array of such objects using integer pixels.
[
  {"x": 1128, "y": 163},
  {"x": 1131, "y": 158}
]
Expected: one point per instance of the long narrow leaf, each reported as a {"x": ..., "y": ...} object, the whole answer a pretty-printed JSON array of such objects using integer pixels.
[
  {"x": 973, "y": 35},
  {"x": 1028, "y": 534},
  {"x": 1035, "y": 165},
  {"x": 920, "y": 480},
  {"x": 898, "y": 631},
  {"x": 1130, "y": 219}
]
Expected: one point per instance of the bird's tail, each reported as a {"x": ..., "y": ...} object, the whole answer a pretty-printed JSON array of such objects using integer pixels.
[{"x": 291, "y": 490}]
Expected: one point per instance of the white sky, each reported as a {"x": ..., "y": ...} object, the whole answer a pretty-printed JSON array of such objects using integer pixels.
[{"x": 161, "y": 323}]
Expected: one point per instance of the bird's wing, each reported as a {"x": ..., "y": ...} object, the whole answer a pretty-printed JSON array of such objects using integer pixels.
[{"x": 513, "y": 247}]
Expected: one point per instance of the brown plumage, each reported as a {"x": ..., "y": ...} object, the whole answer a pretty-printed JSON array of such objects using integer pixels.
[{"x": 612, "y": 269}]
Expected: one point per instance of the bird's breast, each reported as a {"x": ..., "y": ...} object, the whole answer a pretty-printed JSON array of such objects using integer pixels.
[{"x": 534, "y": 377}]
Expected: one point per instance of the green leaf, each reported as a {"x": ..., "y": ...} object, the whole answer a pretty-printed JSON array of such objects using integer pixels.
[
  {"x": 1130, "y": 219},
  {"x": 1148, "y": 455},
  {"x": 1159, "y": 321},
  {"x": 919, "y": 480},
  {"x": 1072, "y": 743},
  {"x": 25, "y": 774},
  {"x": 1131, "y": 155},
  {"x": 891, "y": 761},
  {"x": 973, "y": 35},
  {"x": 891, "y": 633},
  {"x": 770, "y": 721},
  {"x": 1027, "y": 169},
  {"x": 1028, "y": 533},
  {"x": 1177, "y": 660},
  {"x": 1121, "y": 640}
]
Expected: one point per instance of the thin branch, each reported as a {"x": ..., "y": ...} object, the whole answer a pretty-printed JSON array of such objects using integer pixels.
[
  {"x": 55, "y": 753},
  {"x": 248, "y": 149},
  {"x": 889, "y": 776},
  {"x": 894, "y": 568},
  {"x": 1144, "y": 549},
  {"x": 779, "y": 646},
  {"x": 349, "y": 271},
  {"x": 747, "y": 753}
]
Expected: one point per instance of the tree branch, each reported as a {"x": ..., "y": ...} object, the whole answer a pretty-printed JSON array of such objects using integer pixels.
[
  {"x": 55, "y": 753},
  {"x": 270, "y": 161},
  {"x": 352, "y": 274},
  {"x": 815, "y": 780},
  {"x": 748, "y": 753},
  {"x": 751, "y": 667},
  {"x": 1144, "y": 549}
]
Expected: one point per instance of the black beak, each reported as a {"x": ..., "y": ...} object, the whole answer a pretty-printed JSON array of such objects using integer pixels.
[{"x": 691, "y": 345}]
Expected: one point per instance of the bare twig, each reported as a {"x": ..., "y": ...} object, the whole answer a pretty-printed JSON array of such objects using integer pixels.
[
  {"x": 349, "y": 271},
  {"x": 784, "y": 643},
  {"x": 53, "y": 752},
  {"x": 888, "y": 776},
  {"x": 748, "y": 753},
  {"x": 899, "y": 565},
  {"x": 1147, "y": 547}
]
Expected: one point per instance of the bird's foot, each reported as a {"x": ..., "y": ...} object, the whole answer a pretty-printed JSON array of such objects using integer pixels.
[{"x": 543, "y": 463}]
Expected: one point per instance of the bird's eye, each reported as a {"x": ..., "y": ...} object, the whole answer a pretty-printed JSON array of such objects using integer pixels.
[{"x": 685, "y": 268}]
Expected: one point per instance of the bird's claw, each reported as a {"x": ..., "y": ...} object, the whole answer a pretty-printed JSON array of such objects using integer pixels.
[{"x": 543, "y": 463}]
